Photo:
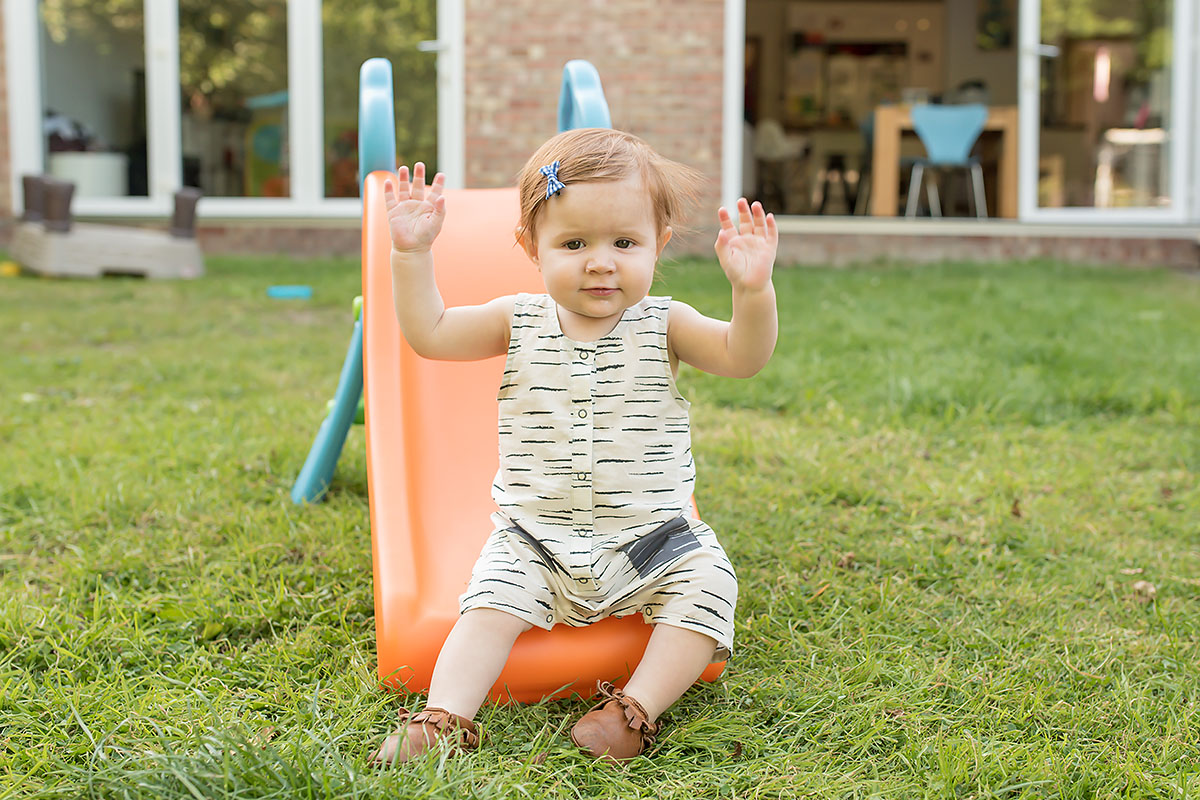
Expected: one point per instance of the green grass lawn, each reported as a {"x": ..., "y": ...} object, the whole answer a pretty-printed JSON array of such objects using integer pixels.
[{"x": 962, "y": 501}]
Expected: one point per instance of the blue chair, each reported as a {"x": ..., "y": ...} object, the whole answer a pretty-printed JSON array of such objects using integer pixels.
[{"x": 948, "y": 133}]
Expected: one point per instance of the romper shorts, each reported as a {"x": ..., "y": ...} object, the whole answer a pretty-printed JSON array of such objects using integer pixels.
[{"x": 678, "y": 574}]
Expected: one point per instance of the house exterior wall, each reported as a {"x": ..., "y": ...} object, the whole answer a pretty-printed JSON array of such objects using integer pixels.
[
  {"x": 1090, "y": 248},
  {"x": 660, "y": 62}
]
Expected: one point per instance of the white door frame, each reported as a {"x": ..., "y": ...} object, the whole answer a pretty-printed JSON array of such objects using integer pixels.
[
  {"x": 24, "y": 95},
  {"x": 1182, "y": 153},
  {"x": 733, "y": 103},
  {"x": 22, "y": 34},
  {"x": 452, "y": 92},
  {"x": 1193, "y": 68},
  {"x": 164, "y": 123}
]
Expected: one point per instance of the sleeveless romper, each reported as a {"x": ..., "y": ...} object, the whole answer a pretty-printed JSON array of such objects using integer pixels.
[{"x": 595, "y": 484}]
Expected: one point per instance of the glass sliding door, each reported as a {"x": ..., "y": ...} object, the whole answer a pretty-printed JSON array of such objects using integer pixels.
[
  {"x": 93, "y": 116},
  {"x": 1105, "y": 107},
  {"x": 233, "y": 68},
  {"x": 394, "y": 29},
  {"x": 255, "y": 102}
]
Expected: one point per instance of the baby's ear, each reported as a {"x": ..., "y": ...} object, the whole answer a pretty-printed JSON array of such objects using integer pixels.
[
  {"x": 526, "y": 242},
  {"x": 663, "y": 238}
]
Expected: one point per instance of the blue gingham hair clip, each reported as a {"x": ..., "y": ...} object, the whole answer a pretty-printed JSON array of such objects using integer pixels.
[{"x": 553, "y": 184}]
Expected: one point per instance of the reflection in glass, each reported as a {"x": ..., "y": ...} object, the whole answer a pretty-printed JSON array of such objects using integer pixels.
[
  {"x": 94, "y": 95},
  {"x": 234, "y": 77},
  {"x": 1105, "y": 104},
  {"x": 389, "y": 28}
]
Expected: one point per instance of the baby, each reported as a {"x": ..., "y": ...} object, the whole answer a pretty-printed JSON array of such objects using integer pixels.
[{"x": 596, "y": 472}]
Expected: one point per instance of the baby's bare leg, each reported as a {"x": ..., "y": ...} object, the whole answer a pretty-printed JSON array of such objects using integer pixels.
[
  {"x": 467, "y": 666},
  {"x": 471, "y": 659},
  {"x": 674, "y": 659}
]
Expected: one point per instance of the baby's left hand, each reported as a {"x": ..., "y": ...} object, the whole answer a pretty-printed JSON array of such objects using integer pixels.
[{"x": 747, "y": 250}]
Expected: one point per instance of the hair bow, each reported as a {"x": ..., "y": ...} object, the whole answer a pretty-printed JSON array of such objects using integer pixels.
[{"x": 553, "y": 184}]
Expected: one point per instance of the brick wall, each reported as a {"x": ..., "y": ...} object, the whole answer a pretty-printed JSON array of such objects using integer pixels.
[
  {"x": 795, "y": 249},
  {"x": 307, "y": 240},
  {"x": 1091, "y": 248},
  {"x": 660, "y": 62}
]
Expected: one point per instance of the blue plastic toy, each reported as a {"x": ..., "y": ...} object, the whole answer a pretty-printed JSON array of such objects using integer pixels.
[{"x": 289, "y": 292}]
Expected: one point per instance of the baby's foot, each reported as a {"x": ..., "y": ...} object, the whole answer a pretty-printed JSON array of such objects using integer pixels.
[
  {"x": 420, "y": 732},
  {"x": 616, "y": 730}
]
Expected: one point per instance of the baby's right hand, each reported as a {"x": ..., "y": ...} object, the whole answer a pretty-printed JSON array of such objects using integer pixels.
[{"x": 415, "y": 216}]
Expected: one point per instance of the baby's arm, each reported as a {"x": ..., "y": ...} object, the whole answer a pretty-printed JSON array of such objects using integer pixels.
[
  {"x": 743, "y": 346},
  {"x": 463, "y": 333}
]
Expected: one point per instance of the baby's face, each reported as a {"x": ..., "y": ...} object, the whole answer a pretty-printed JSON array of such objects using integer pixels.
[{"x": 596, "y": 247}]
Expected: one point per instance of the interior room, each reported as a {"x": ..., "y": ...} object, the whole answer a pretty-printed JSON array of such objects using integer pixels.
[{"x": 829, "y": 85}]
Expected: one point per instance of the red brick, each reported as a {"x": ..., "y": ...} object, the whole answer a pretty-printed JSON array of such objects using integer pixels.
[{"x": 642, "y": 67}]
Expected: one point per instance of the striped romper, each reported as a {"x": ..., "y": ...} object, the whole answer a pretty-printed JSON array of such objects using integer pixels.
[{"x": 595, "y": 484}]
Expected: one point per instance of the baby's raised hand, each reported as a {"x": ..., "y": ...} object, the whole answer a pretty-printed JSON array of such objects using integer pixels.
[
  {"x": 747, "y": 250},
  {"x": 415, "y": 215}
]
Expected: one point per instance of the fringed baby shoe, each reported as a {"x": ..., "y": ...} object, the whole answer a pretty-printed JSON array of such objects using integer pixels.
[
  {"x": 617, "y": 728},
  {"x": 420, "y": 732}
]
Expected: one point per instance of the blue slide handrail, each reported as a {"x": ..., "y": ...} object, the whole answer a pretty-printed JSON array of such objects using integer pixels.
[
  {"x": 376, "y": 119},
  {"x": 317, "y": 472},
  {"x": 581, "y": 103},
  {"x": 376, "y": 151}
]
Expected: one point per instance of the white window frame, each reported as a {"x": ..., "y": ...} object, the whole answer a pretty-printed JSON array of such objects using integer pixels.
[
  {"x": 164, "y": 121},
  {"x": 452, "y": 92},
  {"x": 24, "y": 95},
  {"x": 732, "y": 111},
  {"x": 1194, "y": 69},
  {"x": 164, "y": 125},
  {"x": 1182, "y": 150}
]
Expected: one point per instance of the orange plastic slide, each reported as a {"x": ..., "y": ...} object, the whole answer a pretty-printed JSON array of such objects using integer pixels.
[{"x": 432, "y": 456}]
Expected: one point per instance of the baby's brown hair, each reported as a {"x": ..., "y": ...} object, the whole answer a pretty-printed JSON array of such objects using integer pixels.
[{"x": 602, "y": 154}]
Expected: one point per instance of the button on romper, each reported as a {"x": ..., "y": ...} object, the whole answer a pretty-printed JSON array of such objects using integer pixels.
[{"x": 595, "y": 484}]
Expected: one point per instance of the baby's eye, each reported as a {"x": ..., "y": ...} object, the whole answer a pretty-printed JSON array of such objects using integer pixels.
[
  {"x": 574, "y": 244},
  {"x": 624, "y": 244}
]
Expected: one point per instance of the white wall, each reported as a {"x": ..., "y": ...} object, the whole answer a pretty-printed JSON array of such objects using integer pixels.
[
  {"x": 767, "y": 20},
  {"x": 965, "y": 61}
]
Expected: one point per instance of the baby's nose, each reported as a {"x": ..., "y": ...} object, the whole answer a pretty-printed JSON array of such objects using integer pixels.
[{"x": 601, "y": 262}]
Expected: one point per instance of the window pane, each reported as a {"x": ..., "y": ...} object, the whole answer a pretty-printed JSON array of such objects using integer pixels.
[
  {"x": 233, "y": 71},
  {"x": 354, "y": 31},
  {"x": 94, "y": 112},
  {"x": 1105, "y": 105}
]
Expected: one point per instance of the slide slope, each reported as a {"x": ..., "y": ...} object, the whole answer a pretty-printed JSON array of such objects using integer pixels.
[{"x": 431, "y": 458}]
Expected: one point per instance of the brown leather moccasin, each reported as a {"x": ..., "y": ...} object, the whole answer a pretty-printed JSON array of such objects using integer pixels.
[
  {"x": 420, "y": 732},
  {"x": 617, "y": 728}
]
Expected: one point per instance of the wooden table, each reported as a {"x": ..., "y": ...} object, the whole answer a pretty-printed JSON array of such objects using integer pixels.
[{"x": 885, "y": 160}]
